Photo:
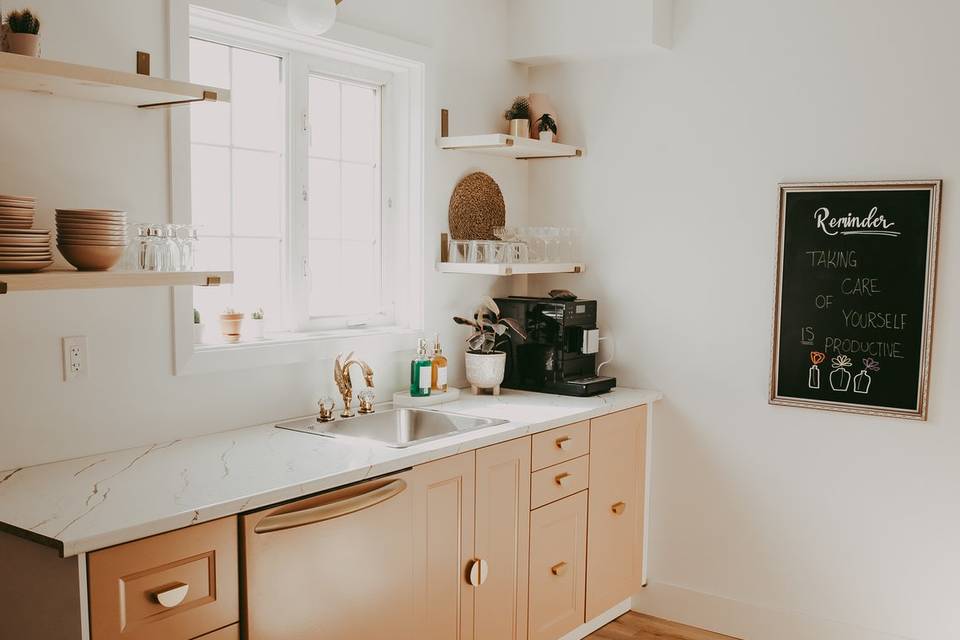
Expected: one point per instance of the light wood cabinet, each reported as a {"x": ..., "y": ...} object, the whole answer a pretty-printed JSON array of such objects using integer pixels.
[
  {"x": 178, "y": 585},
  {"x": 558, "y": 552},
  {"x": 615, "y": 525},
  {"x": 559, "y": 481},
  {"x": 560, "y": 444},
  {"x": 502, "y": 540},
  {"x": 443, "y": 512},
  {"x": 227, "y": 633}
]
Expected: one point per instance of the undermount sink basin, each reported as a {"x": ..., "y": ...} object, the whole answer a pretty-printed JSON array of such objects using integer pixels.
[{"x": 397, "y": 428}]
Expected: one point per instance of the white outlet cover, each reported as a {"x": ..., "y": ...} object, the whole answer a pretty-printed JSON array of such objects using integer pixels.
[{"x": 75, "y": 363}]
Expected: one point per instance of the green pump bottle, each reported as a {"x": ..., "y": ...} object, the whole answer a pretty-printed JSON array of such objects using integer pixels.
[{"x": 421, "y": 369}]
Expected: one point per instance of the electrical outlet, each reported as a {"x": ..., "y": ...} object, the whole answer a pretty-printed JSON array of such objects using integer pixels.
[{"x": 74, "y": 358}]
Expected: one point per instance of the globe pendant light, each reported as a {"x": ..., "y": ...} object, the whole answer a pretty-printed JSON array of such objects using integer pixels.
[{"x": 312, "y": 16}]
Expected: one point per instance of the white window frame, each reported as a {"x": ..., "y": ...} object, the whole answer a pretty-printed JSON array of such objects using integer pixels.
[{"x": 358, "y": 51}]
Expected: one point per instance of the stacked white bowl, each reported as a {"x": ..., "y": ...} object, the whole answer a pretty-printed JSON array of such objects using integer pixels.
[{"x": 92, "y": 239}]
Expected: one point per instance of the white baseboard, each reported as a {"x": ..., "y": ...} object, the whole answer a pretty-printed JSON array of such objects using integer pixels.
[
  {"x": 609, "y": 615},
  {"x": 743, "y": 620}
]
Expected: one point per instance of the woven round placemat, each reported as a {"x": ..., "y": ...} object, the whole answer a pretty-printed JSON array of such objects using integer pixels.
[{"x": 476, "y": 207}]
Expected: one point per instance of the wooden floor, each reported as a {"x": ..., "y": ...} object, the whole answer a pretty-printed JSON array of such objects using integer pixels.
[{"x": 636, "y": 626}]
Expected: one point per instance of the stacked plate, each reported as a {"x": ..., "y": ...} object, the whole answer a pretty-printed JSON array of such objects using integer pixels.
[
  {"x": 91, "y": 239},
  {"x": 24, "y": 249},
  {"x": 16, "y": 212}
]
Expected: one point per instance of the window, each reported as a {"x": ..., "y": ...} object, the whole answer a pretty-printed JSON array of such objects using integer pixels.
[{"x": 287, "y": 187}]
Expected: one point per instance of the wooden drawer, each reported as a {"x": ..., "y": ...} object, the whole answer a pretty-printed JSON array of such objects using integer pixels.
[
  {"x": 129, "y": 581},
  {"x": 559, "y": 445},
  {"x": 559, "y": 481},
  {"x": 558, "y": 550},
  {"x": 227, "y": 633}
]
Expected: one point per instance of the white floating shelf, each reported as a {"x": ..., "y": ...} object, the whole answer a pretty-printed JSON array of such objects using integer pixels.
[
  {"x": 510, "y": 269},
  {"x": 56, "y": 279},
  {"x": 501, "y": 144},
  {"x": 51, "y": 77}
]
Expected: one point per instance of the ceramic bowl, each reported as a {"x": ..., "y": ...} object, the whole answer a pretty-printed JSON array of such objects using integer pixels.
[{"x": 91, "y": 257}]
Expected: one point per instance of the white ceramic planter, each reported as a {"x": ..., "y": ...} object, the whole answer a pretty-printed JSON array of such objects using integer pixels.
[
  {"x": 255, "y": 329},
  {"x": 198, "y": 333},
  {"x": 485, "y": 370},
  {"x": 25, "y": 44},
  {"x": 520, "y": 128},
  {"x": 546, "y": 136}
]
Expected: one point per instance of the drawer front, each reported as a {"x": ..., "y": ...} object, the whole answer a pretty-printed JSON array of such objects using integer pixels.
[
  {"x": 558, "y": 552},
  {"x": 174, "y": 586},
  {"x": 559, "y": 445},
  {"x": 559, "y": 481},
  {"x": 227, "y": 633}
]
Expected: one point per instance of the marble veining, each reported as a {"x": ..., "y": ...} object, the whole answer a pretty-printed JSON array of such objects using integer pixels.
[{"x": 93, "y": 502}]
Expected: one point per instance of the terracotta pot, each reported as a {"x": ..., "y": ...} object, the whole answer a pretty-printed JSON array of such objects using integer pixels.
[
  {"x": 520, "y": 128},
  {"x": 485, "y": 370},
  {"x": 230, "y": 324},
  {"x": 25, "y": 44}
]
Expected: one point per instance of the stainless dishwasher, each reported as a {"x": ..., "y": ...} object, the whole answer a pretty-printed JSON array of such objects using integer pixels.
[{"x": 334, "y": 566}]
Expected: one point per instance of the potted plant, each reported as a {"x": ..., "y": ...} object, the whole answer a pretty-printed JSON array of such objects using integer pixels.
[
  {"x": 547, "y": 127},
  {"x": 519, "y": 117},
  {"x": 197, "y": 328},
  {"x": 485, "y": 364},
  {"x": 22, "y": 33},
  {"x": 230, "y": 322},
  {"x": 255, "y": 325}
]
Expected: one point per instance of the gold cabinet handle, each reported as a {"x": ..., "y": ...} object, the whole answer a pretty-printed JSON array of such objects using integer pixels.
[
  {"x": 559, "y": 569},
  {"x": 619, "y": 508},
  {"x": 479, "y": 570},
  {"x": 562, "y": 479},
  {"x": 563, "y": 443},
  {"x": 173, "y": 595}
]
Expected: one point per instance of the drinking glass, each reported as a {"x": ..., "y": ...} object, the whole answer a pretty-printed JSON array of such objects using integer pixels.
[
  {"x": 156, "y": 254},
  {"x": 187, "y": 240},
  {"x": 174, "y": 261}
]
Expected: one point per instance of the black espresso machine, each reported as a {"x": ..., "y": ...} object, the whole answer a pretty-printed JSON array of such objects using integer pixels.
[{"x": 560, "y": 352}]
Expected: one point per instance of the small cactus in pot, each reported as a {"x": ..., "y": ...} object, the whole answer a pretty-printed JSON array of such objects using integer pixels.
[{"x": 21, "y": 33}]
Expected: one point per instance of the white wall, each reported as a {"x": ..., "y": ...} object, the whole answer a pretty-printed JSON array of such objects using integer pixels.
[
  {"x": 71, "y": 153},
  {"x": 768, "y": 522}
]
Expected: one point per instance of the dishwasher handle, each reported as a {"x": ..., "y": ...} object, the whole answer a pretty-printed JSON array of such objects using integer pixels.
[{"x": 381, "y": 492}]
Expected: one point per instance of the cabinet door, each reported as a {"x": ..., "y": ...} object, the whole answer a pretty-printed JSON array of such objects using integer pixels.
[
  {"x": 615, "y": 541},
  {"x": 557, "y": 567},
  {"x": 502, "y": 540},
  {"x": 443, "y": 512}
]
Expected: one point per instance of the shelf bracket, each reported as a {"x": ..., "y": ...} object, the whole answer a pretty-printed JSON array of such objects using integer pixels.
[
  {"x": 212, "y": 281},
  {"x": 143, "y": 63},
  {"x": 444, "y": 123},
  {"x": 3, "y": 288},
  {"x": 208, "y": 96}
]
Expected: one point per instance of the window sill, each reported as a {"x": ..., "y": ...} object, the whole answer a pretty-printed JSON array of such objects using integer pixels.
[{"x": 293, "y": 347}]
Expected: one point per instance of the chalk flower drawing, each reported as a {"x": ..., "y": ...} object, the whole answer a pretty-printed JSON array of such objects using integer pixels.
[
  {"x": 840, "y": 377},
  {"x": 813, "y": 379},
  {"x": 861, "y": 381}
]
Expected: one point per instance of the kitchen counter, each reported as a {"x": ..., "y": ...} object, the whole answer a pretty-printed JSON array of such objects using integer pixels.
[{"x": 94, "y": 502}]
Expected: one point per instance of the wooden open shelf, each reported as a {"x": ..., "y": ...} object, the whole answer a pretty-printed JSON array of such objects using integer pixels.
[
  {"x": 58, "y": 279},
  {"x": 51, "y": 77},
  {"x": 501, "y": 144},
  {"x": 510, "y": 269}
]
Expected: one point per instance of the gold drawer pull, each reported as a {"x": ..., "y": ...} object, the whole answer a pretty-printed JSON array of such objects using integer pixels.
[
  {"x": 479, "y": 570},
  {"x": 559, "y": 569},
  {"x": 619, "y": 508},
  {"x": 173, "y": 595},
  {"x": 562, "y": 479},
  {"x": 564, "y": 443}
]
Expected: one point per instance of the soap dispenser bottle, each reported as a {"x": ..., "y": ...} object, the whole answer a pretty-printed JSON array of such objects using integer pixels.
[
  {"x": 438, "y": 376},
  {"x": 420, "y": 369}
]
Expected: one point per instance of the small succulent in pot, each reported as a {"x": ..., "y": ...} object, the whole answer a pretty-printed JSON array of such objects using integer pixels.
[
  {"x": 197, "y": 327},
  {"x": 21, "y": 33},
  {"x": 488, "y": 327},
  {"x": 255, "y": 325},
  {"x": 519, "y": 117},
  {"x": 547, "y": 127}
]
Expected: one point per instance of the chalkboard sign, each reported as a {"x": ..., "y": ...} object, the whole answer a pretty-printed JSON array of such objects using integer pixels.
[{"x": 856, "y": 274}]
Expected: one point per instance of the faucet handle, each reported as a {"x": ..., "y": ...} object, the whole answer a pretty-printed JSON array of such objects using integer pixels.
[
  {"x": 326, "y": 406},
  {"x": 366, "y": 398}
]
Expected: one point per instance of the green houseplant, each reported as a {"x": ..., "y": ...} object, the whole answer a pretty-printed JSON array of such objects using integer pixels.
[
  {"x": 518, "y": 115},
  {"x": 22, "y": 33},
  {"x": 547, "y": 127},
  {"x": 485, "y": 364}
]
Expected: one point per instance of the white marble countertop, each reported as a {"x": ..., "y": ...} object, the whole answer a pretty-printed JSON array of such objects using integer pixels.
[{"x": 94, "y": 502}]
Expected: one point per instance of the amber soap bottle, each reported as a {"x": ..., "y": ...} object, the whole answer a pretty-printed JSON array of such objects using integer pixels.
[{"x": 438, "y": 375}]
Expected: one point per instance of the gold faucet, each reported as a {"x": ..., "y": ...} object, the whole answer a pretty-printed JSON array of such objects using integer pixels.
[{"x": 341, "y": 374}]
